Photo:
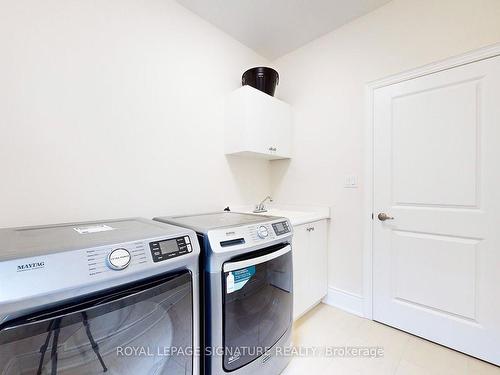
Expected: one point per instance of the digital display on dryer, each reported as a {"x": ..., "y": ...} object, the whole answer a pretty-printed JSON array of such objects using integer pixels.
[
  {"x": 281, "y": 228},
  {"x": 169, "y": 247}
]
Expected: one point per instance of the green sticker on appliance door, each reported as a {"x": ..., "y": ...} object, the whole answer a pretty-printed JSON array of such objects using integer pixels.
[{"x": 237, "y": 279}]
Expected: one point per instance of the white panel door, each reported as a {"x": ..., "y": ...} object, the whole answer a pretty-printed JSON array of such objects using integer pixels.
[{"x": 436, "y": 264}]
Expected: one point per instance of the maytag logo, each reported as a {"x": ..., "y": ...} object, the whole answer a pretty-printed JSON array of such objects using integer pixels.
[{"x": 30, "y": 266}]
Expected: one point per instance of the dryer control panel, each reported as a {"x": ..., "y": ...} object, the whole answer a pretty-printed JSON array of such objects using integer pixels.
[{"x": 171, "y": 248}]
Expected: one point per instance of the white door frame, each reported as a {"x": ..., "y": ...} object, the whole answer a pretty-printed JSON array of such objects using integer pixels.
[{"x": 466, "y": 58}]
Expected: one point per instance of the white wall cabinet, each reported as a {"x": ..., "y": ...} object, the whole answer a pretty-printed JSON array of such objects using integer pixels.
[
  {"x": 257, "y": 125},
  {"x": 310, "y": 266}
]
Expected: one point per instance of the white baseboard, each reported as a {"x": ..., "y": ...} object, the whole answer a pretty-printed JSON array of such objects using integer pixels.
[{"x": 350, "y": 302}]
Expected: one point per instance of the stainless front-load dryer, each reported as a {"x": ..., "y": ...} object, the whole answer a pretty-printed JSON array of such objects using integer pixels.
[
  {"x": 247, "y": 291},
  {"x": 119, "y": 297}
]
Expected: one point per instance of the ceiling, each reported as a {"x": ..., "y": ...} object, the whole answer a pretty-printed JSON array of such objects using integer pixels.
[{"x": 275, "y": 27}]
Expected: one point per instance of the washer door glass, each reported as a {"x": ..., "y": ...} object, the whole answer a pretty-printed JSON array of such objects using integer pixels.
[
  {"x": 130, "y": 330},
  {"x": 257, "y": 305}
]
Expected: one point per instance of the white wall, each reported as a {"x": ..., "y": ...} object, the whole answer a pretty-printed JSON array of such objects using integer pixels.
[
  {"x": 324, "y": 82},
  {"x": 115, "y": 108}
]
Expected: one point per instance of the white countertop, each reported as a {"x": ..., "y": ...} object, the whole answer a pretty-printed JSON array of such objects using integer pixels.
[{"x": 296, "y": 214}]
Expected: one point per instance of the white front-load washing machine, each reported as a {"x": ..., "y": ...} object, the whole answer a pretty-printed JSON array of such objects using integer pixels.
[{"x": 115, "y": 297}]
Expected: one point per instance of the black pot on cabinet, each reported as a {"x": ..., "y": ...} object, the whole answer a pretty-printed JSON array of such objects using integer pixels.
[{"x": 262, "y": 78}]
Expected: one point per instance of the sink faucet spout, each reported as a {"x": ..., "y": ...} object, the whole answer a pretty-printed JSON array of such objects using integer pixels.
[{"x": 261, "y": 207}]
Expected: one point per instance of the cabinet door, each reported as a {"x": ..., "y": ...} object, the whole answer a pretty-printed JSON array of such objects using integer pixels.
[
  {"x": 259, "y": 120},
  {"x": 318, "y": 255},
  {"x": 257, "y": 125},
  {"x": 279, "y": 131},
  {"x": 300, "y": 270}
]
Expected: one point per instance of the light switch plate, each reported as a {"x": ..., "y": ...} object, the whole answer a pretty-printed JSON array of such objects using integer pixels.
[{"x": 351, "y": 181}]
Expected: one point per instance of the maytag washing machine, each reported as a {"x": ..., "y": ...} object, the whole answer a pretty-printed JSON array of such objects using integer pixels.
[
  {"x": 247, "y": 291},
  {"x": 119, "y": 297}
]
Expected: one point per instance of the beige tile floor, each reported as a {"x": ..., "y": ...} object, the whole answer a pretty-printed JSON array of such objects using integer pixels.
[{"x": 404, "y": 354}]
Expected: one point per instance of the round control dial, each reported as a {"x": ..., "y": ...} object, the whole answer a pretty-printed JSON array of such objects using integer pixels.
[
  {"x": 262, "y": 232},
  {"x": 119, "y": 259}
]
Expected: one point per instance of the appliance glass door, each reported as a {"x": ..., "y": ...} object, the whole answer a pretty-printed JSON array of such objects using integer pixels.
[
  {"x": 257, "y": 311},
  {"x": 129, "y": 330}
]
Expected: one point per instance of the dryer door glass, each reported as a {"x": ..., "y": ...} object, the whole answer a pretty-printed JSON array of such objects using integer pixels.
[
  {"x": 257, "y": 305},
  {"x": 130, "y": 330}
]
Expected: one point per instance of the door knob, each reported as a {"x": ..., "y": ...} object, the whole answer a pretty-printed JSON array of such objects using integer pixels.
[{"x": 383, "y": 217}]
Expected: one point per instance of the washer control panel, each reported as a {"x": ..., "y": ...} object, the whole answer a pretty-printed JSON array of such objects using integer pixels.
[
  {"x": 228, "y": 239},
  {"x": 281, "y": 228},
  {"x": 171, "y": 248},
  {"x": 118, "y": 259}
]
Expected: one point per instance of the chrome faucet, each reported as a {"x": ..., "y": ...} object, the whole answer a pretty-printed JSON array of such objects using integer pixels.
[{"x": 261, "y": 207}]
